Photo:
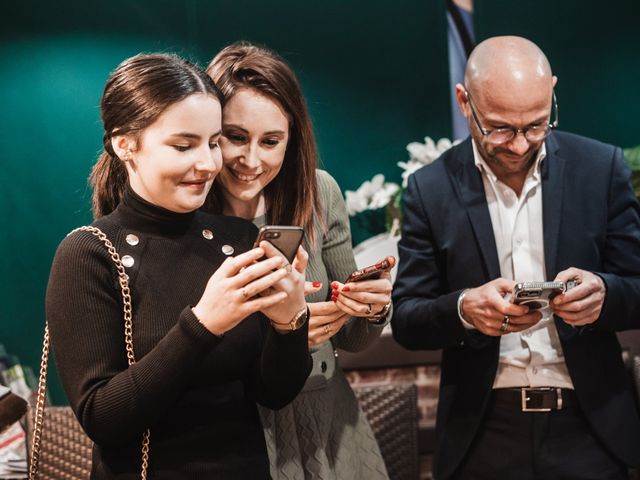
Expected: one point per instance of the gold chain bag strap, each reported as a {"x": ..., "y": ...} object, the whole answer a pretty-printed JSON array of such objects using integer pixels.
[{"x": 128, "y": 336}]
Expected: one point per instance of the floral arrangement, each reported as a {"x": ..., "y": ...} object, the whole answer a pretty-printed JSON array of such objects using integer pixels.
[{"x": 375, "y": 207}]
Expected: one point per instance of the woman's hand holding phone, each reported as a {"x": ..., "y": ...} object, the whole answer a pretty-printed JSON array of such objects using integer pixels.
[
  {"x": 292, "y": 285},
  {"x": 232, "y": 291},
  {"x": 366, "y": 293},
  {"x": 326, "y": 320}
]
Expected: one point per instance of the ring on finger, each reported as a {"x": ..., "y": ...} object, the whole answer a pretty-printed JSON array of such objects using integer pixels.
[
  {"x": 245, "y": 294},
  {"x": 505, "y": 324},
  {"x": 327, "y": 329}
]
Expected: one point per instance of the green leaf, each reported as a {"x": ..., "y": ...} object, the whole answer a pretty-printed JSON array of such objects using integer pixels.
[{"x": 633, "y": 157}]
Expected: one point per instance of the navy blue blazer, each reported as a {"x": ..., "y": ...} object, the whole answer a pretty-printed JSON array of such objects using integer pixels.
[{"x": 591, "y": 220}]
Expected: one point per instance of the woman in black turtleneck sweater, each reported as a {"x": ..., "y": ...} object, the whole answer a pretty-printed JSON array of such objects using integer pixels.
[{"x": 207, "y": 346}]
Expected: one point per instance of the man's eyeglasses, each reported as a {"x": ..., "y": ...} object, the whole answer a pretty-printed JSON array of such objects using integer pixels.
[{"x": 533, "y": 133}]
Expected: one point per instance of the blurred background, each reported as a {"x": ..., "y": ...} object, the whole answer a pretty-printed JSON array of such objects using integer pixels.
[{"x": 377, "y": 75}]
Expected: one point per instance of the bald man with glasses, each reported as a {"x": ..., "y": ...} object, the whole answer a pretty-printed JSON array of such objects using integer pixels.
[{"x": 524, "y": 394}]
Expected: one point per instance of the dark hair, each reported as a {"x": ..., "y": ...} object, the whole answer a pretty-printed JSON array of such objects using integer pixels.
[
  {"x": 138, "y": 91},
  {"x": 292, "y": 197}
]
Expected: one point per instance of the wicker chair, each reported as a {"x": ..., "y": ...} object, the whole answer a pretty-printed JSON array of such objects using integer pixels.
[
  {"x": 65, "y": 452},
  {"x": 392, "y": 411},
  {"x": 390, "y": 408}
]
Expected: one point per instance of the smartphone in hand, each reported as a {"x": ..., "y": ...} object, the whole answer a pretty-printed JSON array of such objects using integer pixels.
[
  {"x": 286, "y": 239},
  {"x": 537, "y": 295},
  {"x": 373, "y": 271}
]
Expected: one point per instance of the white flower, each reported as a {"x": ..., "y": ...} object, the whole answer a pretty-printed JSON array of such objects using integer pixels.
[
  {"x": 409, "y": 167},
  {"x": 421, "y": 154},
  {"x": 372, "y": 194},
  {"x": 376, "y": 193},
  {"x": 424, "y": 153}
]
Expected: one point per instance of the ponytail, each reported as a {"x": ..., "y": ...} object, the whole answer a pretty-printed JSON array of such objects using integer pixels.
[{"x": 108, "y": 180}]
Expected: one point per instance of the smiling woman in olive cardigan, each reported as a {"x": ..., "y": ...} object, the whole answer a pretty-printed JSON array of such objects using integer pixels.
[{"x": 269, "y": 176}]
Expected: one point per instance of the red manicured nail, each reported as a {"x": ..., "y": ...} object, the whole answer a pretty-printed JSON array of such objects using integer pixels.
[
  {"x": 334, "y": 284},
  {"x": 333, "y": 299},
  {"x": 346, "y": 289},
  {"x": 317, "y": 284}
]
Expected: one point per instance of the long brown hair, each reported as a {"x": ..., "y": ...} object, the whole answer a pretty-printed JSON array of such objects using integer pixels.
[
  {"x": 136, "y": 94},
  {"x": 292, "y": 197}
]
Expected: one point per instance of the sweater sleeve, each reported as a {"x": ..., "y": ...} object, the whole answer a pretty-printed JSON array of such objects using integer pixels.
[
  {"x": 283, "y": 367},
  {"x": 337, "y": 255},
  {"x": 114, "y": 403}
]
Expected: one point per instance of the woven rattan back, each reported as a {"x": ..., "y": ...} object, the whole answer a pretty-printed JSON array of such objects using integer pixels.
[
  {"x": 65, "y": 452},
  {"x": 392, "y": 411}
]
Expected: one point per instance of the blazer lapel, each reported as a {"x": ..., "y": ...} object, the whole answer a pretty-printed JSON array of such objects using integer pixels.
[
  {"x": 471, "y": 190},
  {"x": 552, "y": 187}
]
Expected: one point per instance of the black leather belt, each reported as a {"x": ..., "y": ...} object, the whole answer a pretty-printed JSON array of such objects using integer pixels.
[{"x": 538, "y": 399}]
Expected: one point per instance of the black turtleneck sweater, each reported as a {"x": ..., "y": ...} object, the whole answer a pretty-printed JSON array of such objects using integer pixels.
[{"x": 195, "y": 391}]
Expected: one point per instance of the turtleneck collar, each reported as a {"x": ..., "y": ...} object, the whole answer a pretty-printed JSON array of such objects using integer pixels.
[{"x": 136, "y": 213}]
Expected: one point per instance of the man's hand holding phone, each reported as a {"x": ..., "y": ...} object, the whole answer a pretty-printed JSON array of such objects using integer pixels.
[
  {"x": 581, "y": 305},
  {"x": 486, "y": 308}
]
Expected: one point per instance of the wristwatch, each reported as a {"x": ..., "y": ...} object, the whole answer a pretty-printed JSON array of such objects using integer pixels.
[
  {"x": 296, "y": 322},
  {"x": 381, "y": 315}
]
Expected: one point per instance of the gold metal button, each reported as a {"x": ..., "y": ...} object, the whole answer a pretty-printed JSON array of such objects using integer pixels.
[
  {"x": 132, "y": 239},
  {"x": 208, "y": 234},
  {"x": 227, "y": 249}
]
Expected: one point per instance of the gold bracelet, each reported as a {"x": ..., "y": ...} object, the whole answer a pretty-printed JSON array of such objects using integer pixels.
[{"x": 296, "y": 322}]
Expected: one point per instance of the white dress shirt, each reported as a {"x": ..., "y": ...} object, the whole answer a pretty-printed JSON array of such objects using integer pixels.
[{"x": 534, "y": 356}]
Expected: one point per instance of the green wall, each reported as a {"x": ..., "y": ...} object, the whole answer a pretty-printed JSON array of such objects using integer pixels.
[
  {"x": 369, "y": 70},
  {"x": 374, "y": 73},
  {"x": 594, "y": 49}
]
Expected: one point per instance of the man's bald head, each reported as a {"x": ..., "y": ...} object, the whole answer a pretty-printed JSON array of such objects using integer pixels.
[
  {"x": 510, "y": 64},
  {"x": 508, "y": 85}
]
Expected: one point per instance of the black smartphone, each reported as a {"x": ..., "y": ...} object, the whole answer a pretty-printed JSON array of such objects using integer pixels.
[
  {"x": 373, "y": 271},
  {"x": 285, "y": 238},
  {"x": 537, "y": 295}
]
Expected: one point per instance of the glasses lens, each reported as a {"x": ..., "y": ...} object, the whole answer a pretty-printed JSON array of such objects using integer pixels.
[
  {"x": 500, "y": 135},
  {"x": 535, "y": 134}
]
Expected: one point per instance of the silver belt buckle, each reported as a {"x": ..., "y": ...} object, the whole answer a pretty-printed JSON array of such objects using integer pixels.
[{"x": 526, "y": 398}]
